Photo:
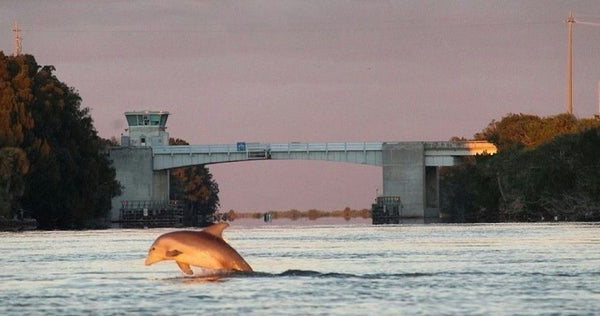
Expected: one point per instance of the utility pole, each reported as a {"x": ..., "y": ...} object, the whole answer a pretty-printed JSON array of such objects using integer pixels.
[
  {"x": 18, "y": 39},
  {"x": 570, "y": 21}
]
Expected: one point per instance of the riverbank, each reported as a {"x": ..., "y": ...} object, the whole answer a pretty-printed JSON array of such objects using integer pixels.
[
  {"x": 17, "y": 224},
  {"x": 294, "y": 214}
]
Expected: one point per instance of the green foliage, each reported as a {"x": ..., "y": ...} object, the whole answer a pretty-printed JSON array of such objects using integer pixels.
[
  {"x": 15, "y": 120},
  {"x": 15, "y": 94},
  {"x": 13, "y": 166},
  {"x": 196, "y": 187},
  {"x": 469, "y": 191},
  {"x": 69, "y": 179},
  {"x": 546, "y": 168},
  {"x": 525, "y": 130}
]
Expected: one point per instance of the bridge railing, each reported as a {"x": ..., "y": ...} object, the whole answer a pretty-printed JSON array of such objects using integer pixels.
[
  {"x": 276, "y": 147},
  {"x": 433, "y": 148},
  {"x": 192, "y": 149},
  {"x": 470, "y": 144},
  {"x": 299, "y": 147}
]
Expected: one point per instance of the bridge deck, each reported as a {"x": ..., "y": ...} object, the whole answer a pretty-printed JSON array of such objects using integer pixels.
[
  {"x": 370, "y": 153},
  {"x": 274, "y": 148}
]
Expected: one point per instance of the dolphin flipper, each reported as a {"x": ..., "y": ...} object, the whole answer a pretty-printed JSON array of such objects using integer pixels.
[
  {"x": 173, "y": 253},
  {"x": 185, "y": 268}
]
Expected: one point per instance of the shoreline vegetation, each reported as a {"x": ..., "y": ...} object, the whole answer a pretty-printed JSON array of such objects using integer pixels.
[
  {"x": 546, "y": 169},
  {"x": 293, "y": 214},
  {"x": 53, "y": 166}
]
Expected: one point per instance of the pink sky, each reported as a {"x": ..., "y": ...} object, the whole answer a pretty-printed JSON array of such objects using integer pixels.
[{"x": 311, "y": 71}]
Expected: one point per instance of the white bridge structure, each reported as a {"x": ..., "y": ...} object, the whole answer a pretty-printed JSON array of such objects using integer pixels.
[
  {"x": 436, "y": 154},
  {"x": 409, "y": 169}
]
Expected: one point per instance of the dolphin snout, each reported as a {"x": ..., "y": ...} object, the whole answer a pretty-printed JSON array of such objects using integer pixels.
[{"x": 152, "y": 259}]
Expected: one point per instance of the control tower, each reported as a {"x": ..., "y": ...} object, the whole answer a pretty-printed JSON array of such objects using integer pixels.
[
  {"x": 146, "y": 129},
  {"x": 145, "y": 196}
]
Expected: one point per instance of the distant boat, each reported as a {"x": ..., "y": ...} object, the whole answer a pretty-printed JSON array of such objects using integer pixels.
[{"x": 267, "y": 217}]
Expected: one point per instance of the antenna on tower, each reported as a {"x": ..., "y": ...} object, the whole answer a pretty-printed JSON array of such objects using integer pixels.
[{"x": 18, "y": 39}]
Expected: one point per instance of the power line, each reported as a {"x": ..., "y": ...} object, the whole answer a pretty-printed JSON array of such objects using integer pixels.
[
  {"x": 263, "y": 27},
  {"x": 587, "y": 23}
]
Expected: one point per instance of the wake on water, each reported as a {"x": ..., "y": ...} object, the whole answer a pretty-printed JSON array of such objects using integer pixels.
[
  {"x": 335, "y": 275},
  {"x": 215, "y": 275}
]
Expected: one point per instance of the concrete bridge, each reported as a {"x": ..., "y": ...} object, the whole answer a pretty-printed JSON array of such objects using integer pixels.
[
  {"x": 410, "y": 169},
  {"x": 435, "y": 154}
]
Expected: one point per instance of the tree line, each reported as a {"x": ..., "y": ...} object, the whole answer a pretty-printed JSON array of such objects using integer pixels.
[
  {"x": 52, "y": 162},
  {"x": 197, "y": 189},
  {"x": 546, "y": 168},
  {"x": 312, "y": 214}
]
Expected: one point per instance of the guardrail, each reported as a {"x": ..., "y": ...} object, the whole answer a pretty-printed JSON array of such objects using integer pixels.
[
  {"x": 243, "y": 147},
  {"x": 274, "y": 148},
  {"x": 299, "y": 147}
]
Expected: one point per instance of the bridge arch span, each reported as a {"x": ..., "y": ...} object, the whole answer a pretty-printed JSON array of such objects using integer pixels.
[
  {"x": 409, "y": 169},
  {"x": 169, "y": 157}
]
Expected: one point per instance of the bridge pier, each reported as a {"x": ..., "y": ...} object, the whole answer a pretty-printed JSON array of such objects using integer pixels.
[
  {"x": 432, "y": 192},
  {"x": 405, "y": 174},
  {"x": 140, "y": 182}
]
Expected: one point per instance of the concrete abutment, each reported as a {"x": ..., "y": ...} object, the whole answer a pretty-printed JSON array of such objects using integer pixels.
[
  {"x": 406, "y": 175},
  {"x": 139, "y": 181}
]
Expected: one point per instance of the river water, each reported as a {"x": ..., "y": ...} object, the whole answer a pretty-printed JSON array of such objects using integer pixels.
[{"x": 349, "y": 268}]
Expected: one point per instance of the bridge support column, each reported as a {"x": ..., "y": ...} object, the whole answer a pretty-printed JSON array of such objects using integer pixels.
[
  {"x": 134, "y": 170},
  {"x": 404, "y": 176},
  {"x": 432, "y": 192}
]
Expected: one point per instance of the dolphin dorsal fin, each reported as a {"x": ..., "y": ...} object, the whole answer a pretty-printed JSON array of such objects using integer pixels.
[{"x": 216, "y": 229}]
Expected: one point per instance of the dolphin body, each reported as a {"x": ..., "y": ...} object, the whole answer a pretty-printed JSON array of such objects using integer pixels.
[{"x": 205, "y": 249}]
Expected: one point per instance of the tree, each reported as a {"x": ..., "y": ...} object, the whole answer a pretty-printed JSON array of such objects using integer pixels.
[
  {"x": 545, "y": 168},
  {"x": 529, "y": 131},
  {"x": 15, "y": 120},
  {"x": 469, "y": 192},
  {"x": 15, "y": 94},
  {"x": 13, "y": 165},
  {"x": 69, "y": 180},
  {"x": 196, "y": 187}
]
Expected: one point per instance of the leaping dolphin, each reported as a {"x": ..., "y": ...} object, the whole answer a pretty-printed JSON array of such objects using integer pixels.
[{"x": 205, "y": 249}]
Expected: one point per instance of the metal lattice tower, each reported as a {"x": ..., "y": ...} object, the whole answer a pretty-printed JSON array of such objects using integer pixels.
[{"x": 17, "y": 39}]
